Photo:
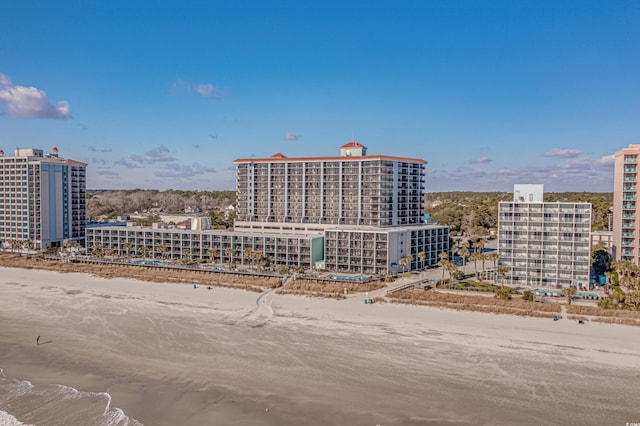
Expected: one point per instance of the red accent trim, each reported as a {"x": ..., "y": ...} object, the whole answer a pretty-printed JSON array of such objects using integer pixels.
[
  {"x": 353, "y": 144},
  {"x": 356, "y": 158}
]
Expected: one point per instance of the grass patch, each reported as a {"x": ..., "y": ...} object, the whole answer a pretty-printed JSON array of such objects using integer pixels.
[
  {"x": 475, "y": 303},
  {"x": 327, "y": 289}
]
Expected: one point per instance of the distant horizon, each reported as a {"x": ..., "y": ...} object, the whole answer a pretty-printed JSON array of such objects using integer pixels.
[{"x": 165, "y": 95}]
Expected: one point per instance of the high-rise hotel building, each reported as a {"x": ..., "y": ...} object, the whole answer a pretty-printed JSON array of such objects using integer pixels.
[
  {"x": 351, "y": 189},
  {"x": 544, "y": 244},
  {"x": 352, "y": 212},
  {"x": 42, "y": 199},
  {"x": 626, "y": 223}
]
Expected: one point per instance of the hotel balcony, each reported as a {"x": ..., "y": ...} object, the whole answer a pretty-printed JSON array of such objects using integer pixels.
[
  {"x": 629, "y": 188},
  {"x": 627, "y": 234},
  {"x": 630, "y": 169},
  {"x": 628, "y": 216},
  {"x": 628, "y": 225},
  {"x": 629, "y": 206},
  {"x": 627, "y": 243},
  {"x": 629, "y": 179},
  {"x": 630, "y": 160},
  {"x": 629, "y": 198}
]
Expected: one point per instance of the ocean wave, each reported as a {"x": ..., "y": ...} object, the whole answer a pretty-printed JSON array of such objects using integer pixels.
[
  {"x": 7, "y": 419},
  {"x": 22, "y": 403}
]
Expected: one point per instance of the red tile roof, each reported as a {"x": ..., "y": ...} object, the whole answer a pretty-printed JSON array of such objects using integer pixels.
[
  {"x": 338, "y": 158},
  {"x": 353, "y": 144}
]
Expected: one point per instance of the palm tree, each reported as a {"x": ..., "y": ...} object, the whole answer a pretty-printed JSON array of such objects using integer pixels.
[
  {"x": 127, "y": 247},
  {"x": 452, "y": 269},
  {"x": 569, "y": 292},
  {"x": 213, "y": 253},
  {"x": 248, "y": 253},
  {"x": 410, "y": 260},
  {"x": 97, "y": 250},
  {"x": 463, "y": 252},
  {"x": 483, "y": 258},
  {"x": 481, "y": 243},
  {"x": 443, "y": 262},
  {"x": 28, "y": 243},
  {"x": 502, "y": 271},
  {"x": 143, "y": 251},
  {"x": 186, "y": 255},
  {"x": 625, "y": 269},
  {"x": 160, "y": 248},
  {"x": 421, "y": 257},
  {"x": 404, "y": 262},
  {"x": 494, "y": 257},
  {"x": 475, "y": 257}
]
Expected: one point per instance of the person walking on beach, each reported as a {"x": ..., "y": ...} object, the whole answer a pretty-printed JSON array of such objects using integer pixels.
[{"x": 37, "y": 340}]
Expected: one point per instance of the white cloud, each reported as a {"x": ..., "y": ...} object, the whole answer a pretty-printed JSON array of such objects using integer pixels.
[
  {"x": 124, "y": 163},
  {"x": 107, "y": 173},
  {"x": 606, "y": 160},
  {"x": 578, "y": 174},
  {"x": 94, "y": 149},
  {"x": 184, "y": 171},
  {"x": 155, "y": 155},
  {"x": 481, "y": 160},
  {"x": 29, "y": 102},
  {"x": 290, "y": 136},
  {"x": 206, "y": 90},
  {"x": 562, "y": 153}
]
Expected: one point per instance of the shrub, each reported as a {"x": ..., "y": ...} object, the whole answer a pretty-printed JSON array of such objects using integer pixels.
[
  {"x": 527, "y": 295},
  {"x": 503, "y": 293}
]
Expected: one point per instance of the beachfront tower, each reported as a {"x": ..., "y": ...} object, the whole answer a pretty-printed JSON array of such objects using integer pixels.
[
  {"x": 626, "y": 224},
  {"x": 544, "y": 244},
  {"x": 42, "y": 199}
]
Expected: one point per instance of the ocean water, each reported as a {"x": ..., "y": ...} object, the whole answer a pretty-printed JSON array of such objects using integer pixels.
[{"x": 22, "y": 403}]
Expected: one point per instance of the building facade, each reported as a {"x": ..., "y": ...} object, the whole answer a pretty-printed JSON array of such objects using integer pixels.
[
  {"x": 350, "y": 213},
  {"x": 626, "y": 224},
  {"x": 350, "y": 189},
  {"x": 544, "y": 244},
  {"x": 42, "y": 199},
  {"x": 214, "y": 246}
]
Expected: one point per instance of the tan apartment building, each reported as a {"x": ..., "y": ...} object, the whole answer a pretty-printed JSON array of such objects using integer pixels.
[{"x": 626, "y": 226}]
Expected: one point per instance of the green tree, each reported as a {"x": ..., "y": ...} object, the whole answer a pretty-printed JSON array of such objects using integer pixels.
[
  {"x": 421, "y": 257},
  {"x": 464, "y": 253},
  {"x": 569, "y": 292},
  {"x": 601, "y": 261},
  {"x": 213, "y": 254},
  {"x": 502, "y": 271}
]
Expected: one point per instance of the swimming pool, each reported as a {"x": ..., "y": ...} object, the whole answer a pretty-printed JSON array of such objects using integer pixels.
[
  {"x": 351, "y": 277},
  {"x": 150, "y": 262}
]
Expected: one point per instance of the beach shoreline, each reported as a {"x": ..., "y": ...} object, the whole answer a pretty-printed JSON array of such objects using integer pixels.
[{"x": 171, "y": 354}]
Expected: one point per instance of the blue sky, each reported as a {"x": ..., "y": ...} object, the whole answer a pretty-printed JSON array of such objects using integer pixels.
[{"x": 166, "y": 94}]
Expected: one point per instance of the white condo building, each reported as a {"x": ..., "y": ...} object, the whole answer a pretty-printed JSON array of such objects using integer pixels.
[
  {"x": 544, "y": 244},
  {"x": 42, "y": 199}
]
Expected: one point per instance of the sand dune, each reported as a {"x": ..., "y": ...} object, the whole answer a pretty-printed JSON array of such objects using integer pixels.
[{"x": 169, "y": 354}]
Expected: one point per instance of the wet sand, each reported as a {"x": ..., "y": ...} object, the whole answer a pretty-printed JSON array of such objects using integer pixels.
[{"x": 170, "y": 354}]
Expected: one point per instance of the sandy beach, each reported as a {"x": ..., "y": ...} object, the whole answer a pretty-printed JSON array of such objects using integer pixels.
[{"x": 168, "y": 354}]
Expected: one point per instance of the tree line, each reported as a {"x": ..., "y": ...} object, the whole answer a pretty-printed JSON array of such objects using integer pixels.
[{"x": 112, "y": 203}]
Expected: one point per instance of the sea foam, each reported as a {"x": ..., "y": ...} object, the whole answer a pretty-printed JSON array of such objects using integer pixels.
[{"x": 22, "y": 403}]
